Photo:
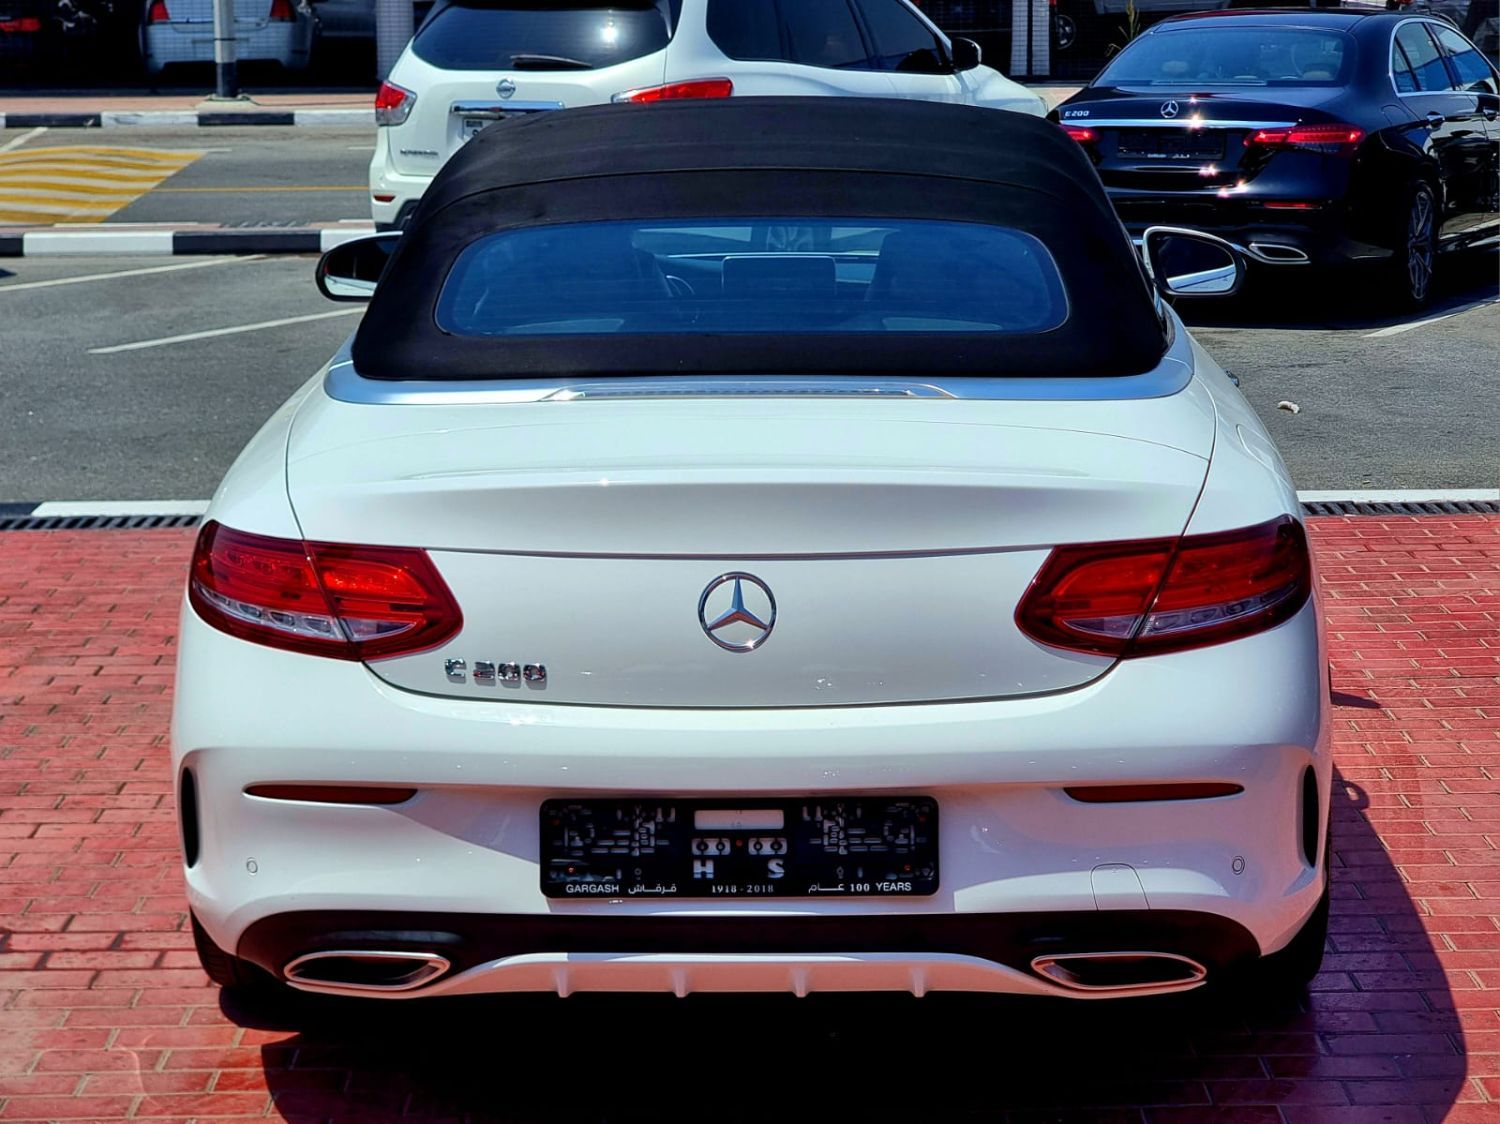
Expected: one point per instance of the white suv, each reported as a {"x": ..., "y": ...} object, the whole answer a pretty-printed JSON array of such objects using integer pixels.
[{"x": 477, "y": 61}]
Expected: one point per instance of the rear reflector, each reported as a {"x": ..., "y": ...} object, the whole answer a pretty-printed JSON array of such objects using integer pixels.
[
  {"x": 332, "y": 793},
  {"x": 673, "y": 91},
  {"x": 1330, "y": 138},
  {"x": 393, "y": 104},
  {"x": 323, "y": 599},
  {"x": 1146, "y": 597},
  {"x": 1134, "y": 793}
]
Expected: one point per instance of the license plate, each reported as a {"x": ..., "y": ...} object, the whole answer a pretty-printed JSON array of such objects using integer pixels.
[
  {"x": 666, "y": 847},
  {"x": 472, "y": 125},
  {"x": 1172, "y": 144}
]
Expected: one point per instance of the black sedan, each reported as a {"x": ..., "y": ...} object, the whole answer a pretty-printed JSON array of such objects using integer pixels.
[{"x": 1306, "y": 137}]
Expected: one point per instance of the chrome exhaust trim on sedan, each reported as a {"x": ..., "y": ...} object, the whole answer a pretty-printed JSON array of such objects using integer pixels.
[
  {"x": 1145, "y": 973},
  {"x": 342, "y": 971}
]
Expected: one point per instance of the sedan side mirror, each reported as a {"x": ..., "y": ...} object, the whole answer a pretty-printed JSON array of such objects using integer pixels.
[
  {"x": 1190, "y": 263},
  {"x": 350, "y": 271},
  {"x": 966, "y": 54}
]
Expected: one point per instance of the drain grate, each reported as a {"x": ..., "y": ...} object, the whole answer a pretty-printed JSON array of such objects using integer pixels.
[
  {"x": 1426, "y": 507},
  {"x": 95, "y": 522}
]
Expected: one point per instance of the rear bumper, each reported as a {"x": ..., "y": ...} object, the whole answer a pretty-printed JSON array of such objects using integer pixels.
[
  {"x": 462, "y": 856},
  {"x": 289, "y": 43},
  {"x": 1272, "y": 236},
  {"x": 797, "y": 954}
]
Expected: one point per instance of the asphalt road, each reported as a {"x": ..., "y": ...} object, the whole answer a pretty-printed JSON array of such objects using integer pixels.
[
  {"x": 1384, "y": 403},
  {"x": 245, "y": 176}
]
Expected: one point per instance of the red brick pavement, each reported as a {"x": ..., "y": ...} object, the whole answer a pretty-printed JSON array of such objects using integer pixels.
[{"x": 104, "y": 1013}]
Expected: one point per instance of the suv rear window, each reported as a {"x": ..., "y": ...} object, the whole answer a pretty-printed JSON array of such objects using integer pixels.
[
  {"x": 544, "y": 34},
  {"x": 769, "y": 275},
  {"x": 1234, "y": 56}
]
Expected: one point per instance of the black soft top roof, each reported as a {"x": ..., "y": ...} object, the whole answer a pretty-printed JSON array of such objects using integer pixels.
[{"x": 848, "y": 158}]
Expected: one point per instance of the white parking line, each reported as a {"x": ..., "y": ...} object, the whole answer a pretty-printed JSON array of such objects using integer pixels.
[
  {"x": 1403, "y": 495},
  {"x": 17, "y": 142},
  {"x": 120, "y": 507},
  {"x": 213, "y": 332},
  {"x": 130, "y": 273},
  {"x": 1397, "y": 329}
]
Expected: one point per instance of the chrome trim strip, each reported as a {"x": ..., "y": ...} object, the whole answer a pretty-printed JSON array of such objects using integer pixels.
[
  {"x": 343, "y": 383},
  {"x": 1250, "y": 251},
  {"x": 500, "y": 109},
  {"x": 1173, "y": 122}
]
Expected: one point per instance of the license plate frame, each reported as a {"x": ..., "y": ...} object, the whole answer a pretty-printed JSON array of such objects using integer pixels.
[
  {"x": 1171, "y": 144},
  {"x": 874, "y": 846}
]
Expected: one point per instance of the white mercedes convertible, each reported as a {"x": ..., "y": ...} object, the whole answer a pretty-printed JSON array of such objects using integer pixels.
[{"x": 761, "y": 545}]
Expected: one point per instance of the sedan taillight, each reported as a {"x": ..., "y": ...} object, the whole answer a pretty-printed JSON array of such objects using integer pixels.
[
  {"x": 323, "y": 599},
  {"x": 1159, "y": 595},
  {"x": 674, "y": 91},
  {"x": 1333, "y": 139},
  {"x": 393, "y": 104}
]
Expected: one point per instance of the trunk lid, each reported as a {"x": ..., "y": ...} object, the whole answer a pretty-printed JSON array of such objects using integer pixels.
[
  {"x": 895, "y": 536},
  {"x": 1163, "y": 139}
]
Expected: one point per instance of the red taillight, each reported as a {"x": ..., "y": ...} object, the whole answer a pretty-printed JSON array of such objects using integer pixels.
[
  {"x": 1142, "y": 598},
  {"x": 1081, "y": 134},
  {"x": 25, "y": 24},
  {"x": 673, "y": 91},
  {"x": 1331, "y": 138},
  {"x": 393, "y": 104},
  {"x": 158, "y": 12},
  {"x": 281, "y": 11},
  {"x": 324, "y": 599}
]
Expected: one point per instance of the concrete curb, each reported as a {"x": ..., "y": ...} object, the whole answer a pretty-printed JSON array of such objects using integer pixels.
[
  {"x": 54, "y": 241},
  {"x": 205, "y": 118}
]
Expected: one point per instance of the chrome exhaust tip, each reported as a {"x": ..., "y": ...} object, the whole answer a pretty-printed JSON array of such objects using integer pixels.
[
  {"x": 1273, "y": 253},
  {"x": 363, "y": 970},
  {"x": 1141, "y": 972}
]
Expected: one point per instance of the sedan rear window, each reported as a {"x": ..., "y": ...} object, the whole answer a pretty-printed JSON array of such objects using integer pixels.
[
  {"x": 771, "y": 275},
  {"x": 544, "y": 34},
  {"x": 1234, "y": 56}
]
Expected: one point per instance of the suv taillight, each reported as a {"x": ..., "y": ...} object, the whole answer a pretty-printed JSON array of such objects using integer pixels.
[
  {"x": 393, "y": 104},
  {"x": 282, "y": 12},
  {"x": 323, "y": 599},
  {"x": 1333, "y": 139},
  {"x": 673, "y": 91},
  {"x": 1146, "y": 597},
  {"x": 157, "y": 13}
]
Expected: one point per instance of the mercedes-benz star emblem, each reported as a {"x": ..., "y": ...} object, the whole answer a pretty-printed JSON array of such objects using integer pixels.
[
  {"x": 1169, "y": 109},
  {"x": 505, "y": 87},
  {"x": 737, "y": 612}
]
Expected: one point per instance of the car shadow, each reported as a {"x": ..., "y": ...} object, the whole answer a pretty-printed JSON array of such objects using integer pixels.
[
  {"x": 1377, "y": 1028},
  {"x": 1301, "y": 299}
]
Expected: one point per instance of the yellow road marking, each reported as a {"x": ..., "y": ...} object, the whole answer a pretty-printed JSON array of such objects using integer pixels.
[
  {"x": 80, "y": 183},
  {"x": 49, "y": 171}
]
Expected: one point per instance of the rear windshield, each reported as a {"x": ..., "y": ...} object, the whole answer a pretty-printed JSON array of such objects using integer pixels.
[
  {"x": 1253, "y": 55},
  {"x": 544, "y": 34},
  {"x": 771, "y": 275}
]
